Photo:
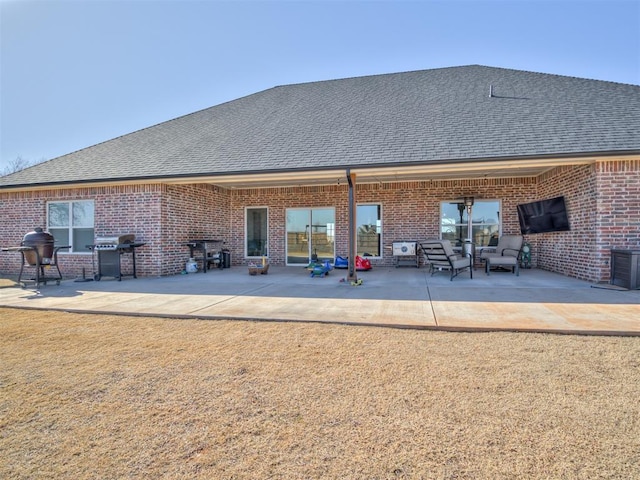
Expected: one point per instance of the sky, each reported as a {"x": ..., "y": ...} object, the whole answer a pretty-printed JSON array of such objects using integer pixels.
[{"x": 74, "y": 73}]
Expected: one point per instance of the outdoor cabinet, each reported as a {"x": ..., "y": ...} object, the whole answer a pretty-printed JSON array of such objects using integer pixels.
[{"x": 625, "y": 268}]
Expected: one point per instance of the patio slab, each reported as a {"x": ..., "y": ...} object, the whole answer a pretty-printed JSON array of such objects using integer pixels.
[{"x": 397, "y": 297}]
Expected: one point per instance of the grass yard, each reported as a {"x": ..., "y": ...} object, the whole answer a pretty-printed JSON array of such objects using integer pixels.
[{"x": 112, "y": 397}]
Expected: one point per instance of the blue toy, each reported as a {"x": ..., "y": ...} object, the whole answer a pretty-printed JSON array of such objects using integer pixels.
[
  {"x": 341, "y": 262},
  {"x": 319, "y": 269}
]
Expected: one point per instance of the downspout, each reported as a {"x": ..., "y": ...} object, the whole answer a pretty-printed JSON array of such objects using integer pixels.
[{"x": 352, "y": 276}]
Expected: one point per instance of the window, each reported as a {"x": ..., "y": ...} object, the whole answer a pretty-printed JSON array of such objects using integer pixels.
[
  {"x": 369, "y": 230},
  {"x": 256, "y": 231},
  {"x": 71, "y": 223},
  {"x": 485, "y": 219}
]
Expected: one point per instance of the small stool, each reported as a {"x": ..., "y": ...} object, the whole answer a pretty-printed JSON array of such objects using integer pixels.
[{"x": 503, "y": 261}]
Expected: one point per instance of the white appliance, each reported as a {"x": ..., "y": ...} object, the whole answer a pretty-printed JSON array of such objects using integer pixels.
[{"x": 405, "y": 254}]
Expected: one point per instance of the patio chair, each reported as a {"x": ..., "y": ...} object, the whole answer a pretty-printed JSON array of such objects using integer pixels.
[
  {"x": 507, "y": 254},
  {"x": 439, "y": 255}
]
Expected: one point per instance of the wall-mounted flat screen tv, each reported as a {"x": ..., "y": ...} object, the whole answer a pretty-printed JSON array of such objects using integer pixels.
[{"x": 543, "y": 216}]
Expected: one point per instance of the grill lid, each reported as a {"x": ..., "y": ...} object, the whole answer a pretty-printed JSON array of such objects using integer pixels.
[
  {"x": 116, "y": 240},
  {"x": 37, "y": 238},
  {"x": 41, "y": 241}
]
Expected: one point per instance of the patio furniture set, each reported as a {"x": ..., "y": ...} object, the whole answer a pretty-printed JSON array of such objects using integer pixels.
[{"x": 440, "y": 255}]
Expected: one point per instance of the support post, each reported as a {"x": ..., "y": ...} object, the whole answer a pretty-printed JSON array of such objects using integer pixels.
[{"x": 352, "y": 275}]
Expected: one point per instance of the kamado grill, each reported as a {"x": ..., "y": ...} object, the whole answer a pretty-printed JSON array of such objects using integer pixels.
[
  {"x": 110, "y": 250},
  {"x": 38, "y": 250}
]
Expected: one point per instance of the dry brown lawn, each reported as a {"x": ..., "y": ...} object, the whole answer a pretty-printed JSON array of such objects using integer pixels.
[{"x": 111, "y": 397}]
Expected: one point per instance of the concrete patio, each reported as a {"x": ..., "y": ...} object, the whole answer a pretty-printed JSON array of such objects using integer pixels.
[{"x": 535, "y": 301}]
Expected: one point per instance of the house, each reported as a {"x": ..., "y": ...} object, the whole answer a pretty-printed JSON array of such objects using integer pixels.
[{"x": 269, "y": 173}]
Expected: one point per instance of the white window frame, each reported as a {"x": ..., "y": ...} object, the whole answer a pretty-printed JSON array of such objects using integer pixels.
[{"x": 75, "y": 249}]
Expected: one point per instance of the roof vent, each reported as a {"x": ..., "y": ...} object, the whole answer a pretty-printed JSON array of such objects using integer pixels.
[{"x": 490, "y": 91}]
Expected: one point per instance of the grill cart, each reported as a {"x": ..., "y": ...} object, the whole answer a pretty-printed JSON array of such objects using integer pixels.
[
  {"x": 209, "y": 252},
  {"x": 110, "y": 250}
]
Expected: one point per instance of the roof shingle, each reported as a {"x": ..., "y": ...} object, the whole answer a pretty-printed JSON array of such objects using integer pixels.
[{"x": 411, "y": 118}]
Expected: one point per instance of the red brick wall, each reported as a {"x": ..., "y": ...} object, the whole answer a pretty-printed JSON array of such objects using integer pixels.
[
  {"x": 162, "y": 216},
  {"x": 618, "y": 205},
  {"x": 603, "y": 202},
  {"x": 132, "y": 209},
  {"x": 190, "y": 212},
  {"x": 410, "y": 210},
  {"x": 278, "y": 200},
  {"x": 573, "y": 253},
  {"x": 118, "y": 210}
]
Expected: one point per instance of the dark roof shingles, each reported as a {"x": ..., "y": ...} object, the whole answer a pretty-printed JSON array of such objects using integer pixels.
[{"x": 421, "y": 116}]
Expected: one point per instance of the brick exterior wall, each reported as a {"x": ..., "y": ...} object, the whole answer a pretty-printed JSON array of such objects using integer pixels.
[
  {"x": 190, "y": 212},
  {"x": 118, "y": 210},
  {"x": 603, "y": 202},
  {"x": 573, "y": 253},
  {"x": 617, "y": 223},
  {"x": 410, "y": 210},
  {"x": 164, "y": 217}
]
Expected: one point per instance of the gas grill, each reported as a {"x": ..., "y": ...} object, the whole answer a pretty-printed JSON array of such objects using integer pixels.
[
  {"x": 114, "y": 243},
  {"x": 110, "y": 251}
]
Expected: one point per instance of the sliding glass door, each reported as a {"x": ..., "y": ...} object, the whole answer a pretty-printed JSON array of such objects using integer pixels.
[{"x": 310, "y": 235}]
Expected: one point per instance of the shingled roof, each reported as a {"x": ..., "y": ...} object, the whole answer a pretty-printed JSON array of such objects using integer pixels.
[{"x": 411, "y": 118}]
